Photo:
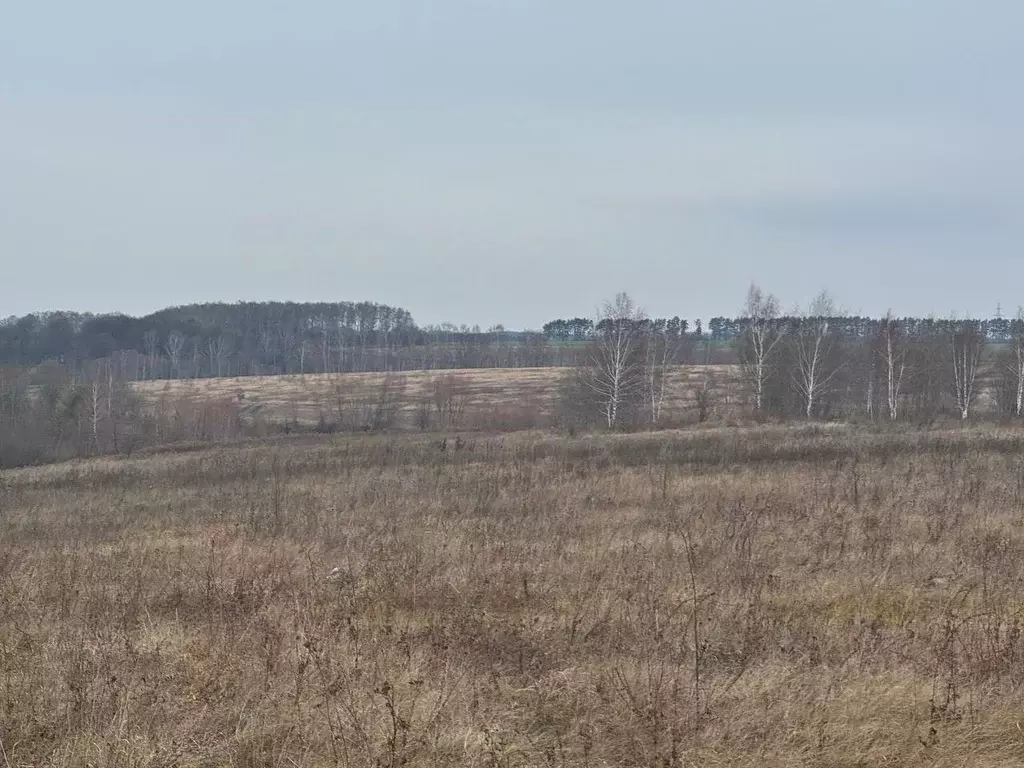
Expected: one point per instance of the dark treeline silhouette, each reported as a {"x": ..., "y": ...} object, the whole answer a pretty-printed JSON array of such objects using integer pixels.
[
  {"x": 996, "y": 329},
  {"x": 214, "y": 339},
  {"x": 266, "y": 338}
]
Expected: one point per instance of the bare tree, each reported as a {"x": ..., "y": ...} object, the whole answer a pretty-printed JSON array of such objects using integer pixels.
[
  {"x": 382, "y": 414},
  {"x": 871, "y": 380},
  {"x": 218, "y": 349},
  {"x": 968, "y": 342},
  {"x": 615, "y": 369},
  {"x": 288, "y": 346},
  {"x": 196, "y": 344},
  {"x": 95, "y": 378},
  {"x": 892, "y": 346},
  {"x": 111, "y": 418},
  {"x": 175, "y": 343},
  {"x": 339, "y": 336},
  {"x": 705, "y": 393},
  {"x": 385, "y": 324},
  {"x": 759, "y": 343},
  {"x": 1013, "y": 364},
  {"x": 814, "y": 344},
  {"x": 152, "y": 342},
  {"x": 663, "y": 345},
  {"x": 267, "y": 337}
]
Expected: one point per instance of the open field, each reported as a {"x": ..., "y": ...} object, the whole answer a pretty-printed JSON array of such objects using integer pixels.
[
  {"x": 522, "y": 392},
  {"x": 771, "y": 596}
]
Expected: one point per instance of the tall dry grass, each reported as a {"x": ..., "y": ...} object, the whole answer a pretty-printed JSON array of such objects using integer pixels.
[{"x": 755, "y": 597}]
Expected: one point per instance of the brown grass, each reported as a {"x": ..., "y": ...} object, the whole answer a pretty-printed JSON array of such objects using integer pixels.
[
  {"x": 742, "y": 597},
  {"x": 304, "y": 399}
]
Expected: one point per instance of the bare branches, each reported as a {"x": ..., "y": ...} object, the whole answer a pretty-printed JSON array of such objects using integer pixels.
[
  {"x": 175, "y": 343},
  {"x": 814, "y": 343},
  {"x": 893, "y": 350},
  {"x": 218, "y": 353},
  {"x": 762, "y": 333},
  {"x": 1013, "y": 365},
  {"x": 967, "y": 345},
  {"x": 662, "y": 347},
  {"x": 615, "y": 370}
]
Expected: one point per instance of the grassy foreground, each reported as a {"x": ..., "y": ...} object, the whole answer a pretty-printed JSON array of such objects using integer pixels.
[{"x": 744, "y": 597}]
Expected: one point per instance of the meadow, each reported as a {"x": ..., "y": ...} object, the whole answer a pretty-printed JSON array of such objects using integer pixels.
[
  {"x": 489, "y": 398},
  {"x": 762, "y": 596}
]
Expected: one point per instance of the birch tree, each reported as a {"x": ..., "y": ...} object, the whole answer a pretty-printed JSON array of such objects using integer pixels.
[
  {"x": 759, "y": 344},
  {"x": 662, "y": 348},
  {"x": 615, "y": 369},
  {"x": 175, "y": 343},
  {"x": 814, "y": 345},
  {"x": 218, "y": 348},
  {"x": 967, "y": 342},
  {"x": 1017, "y": 363},
  {"x": 95, "y": 401},
  {"x": 152, "y": 342},
  {"x": 110, "y": 404},
  {"x": 892, "y": 346}
]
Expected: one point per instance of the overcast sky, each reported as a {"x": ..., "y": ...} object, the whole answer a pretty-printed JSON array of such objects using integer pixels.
[{"x": 509, "y": 161}]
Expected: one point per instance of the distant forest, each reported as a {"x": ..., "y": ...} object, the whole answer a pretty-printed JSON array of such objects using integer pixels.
[
  {"x": 66, "y": 378},
  {"x": 267, "y": 338},
  {"x": 261, "y": 338}
]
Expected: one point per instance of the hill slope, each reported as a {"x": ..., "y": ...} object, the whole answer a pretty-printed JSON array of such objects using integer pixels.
[{"x": 519, "y": 395}]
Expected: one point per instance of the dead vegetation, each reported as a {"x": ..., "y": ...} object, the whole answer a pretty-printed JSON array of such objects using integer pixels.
[
  {"x": 487, "y": 399},
  {"x": 768, "y": 596}
]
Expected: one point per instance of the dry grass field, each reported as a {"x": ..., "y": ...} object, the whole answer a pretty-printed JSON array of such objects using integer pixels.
[
  {"x": 519, "y": 393},
  {"x": 773, "y": 596}
]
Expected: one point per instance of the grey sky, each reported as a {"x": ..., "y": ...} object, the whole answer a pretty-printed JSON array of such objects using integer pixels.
[{"x": 510, "y": 161}]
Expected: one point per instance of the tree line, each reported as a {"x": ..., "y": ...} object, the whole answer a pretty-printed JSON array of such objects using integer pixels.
[
  {"x": 269, "y": 338},
  {"x": 66, "y": 380},
  {"x": 731, "y": 329},
  {"x": 266, "y": 338},
  {"x": 816, "y": 363}
]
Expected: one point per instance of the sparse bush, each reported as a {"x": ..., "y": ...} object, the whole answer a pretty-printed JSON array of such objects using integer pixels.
[
  {"x": 422, "y": 415},
  {"x": 449, "y": 398},
  {"x": 577, "y": 408}
]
